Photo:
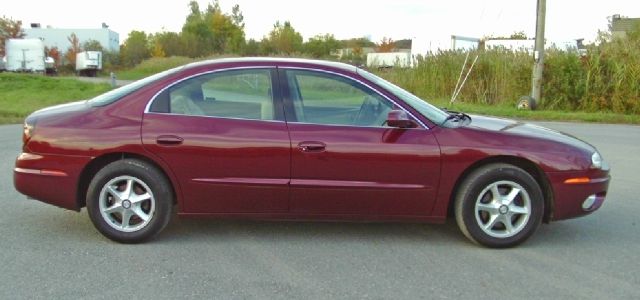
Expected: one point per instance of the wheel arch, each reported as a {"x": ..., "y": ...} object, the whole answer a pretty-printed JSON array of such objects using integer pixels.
[
  {"x": 520, "y": 162},
  {"x": 101, "y": 161}
]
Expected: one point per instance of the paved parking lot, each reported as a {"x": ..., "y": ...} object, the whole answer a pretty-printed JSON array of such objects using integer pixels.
[{"x": 47, "y": 252}]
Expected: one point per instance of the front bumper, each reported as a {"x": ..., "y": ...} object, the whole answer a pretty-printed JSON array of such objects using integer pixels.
[
  {"x": 578, "y": 193},
  {"x": 49, "y": 178}
]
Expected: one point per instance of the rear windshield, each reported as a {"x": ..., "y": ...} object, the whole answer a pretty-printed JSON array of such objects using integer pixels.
[{"x": 115, "y": 95}]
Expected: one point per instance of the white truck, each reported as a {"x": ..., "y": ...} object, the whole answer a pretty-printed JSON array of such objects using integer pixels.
[
  {"x": 50, "y": 66},
  {"x": 3, "y": 64},
  {"x": 88, "y": 63},
  {"x": 388, "y": 60},
  {"x": 25, "y": 55}
]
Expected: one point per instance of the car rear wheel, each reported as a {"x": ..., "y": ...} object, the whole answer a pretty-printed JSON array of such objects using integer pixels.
[
  {"x": 499, "y": 205},
  {"x": 130, "y": 201}
]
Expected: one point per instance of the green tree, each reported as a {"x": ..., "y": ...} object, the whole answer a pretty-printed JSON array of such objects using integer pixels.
[
  {"x": 321, "y": 45},
  {"x": 92, "y": 45},
  {"x": 135, "y": 48},
  {"x": 266, "y": 48},
  {"x": 518, "y": 35},
  {"x": 251, "y": 48},
  {"x": 170, "y": 42},
  {"x": 213, "y": 31},
  {"x": 237, "y": 17},
  {"x": 72, "y": 51},
  {"x": 110, "y": 59},
  {"x": 9, "y": 29},
  {"x": 284, "y": 39},
  {"x": 361, "y": 42},
  {"x": 236, "y": 37},
  {"x": 197, "y": 37},
  {"x": 224, "y": 32},
  {"x": 386, "y": 45},
  {"x": 156, "y": 50},
  {"x": 403, "y": 44},
  {"x": 191, "y": 45}
]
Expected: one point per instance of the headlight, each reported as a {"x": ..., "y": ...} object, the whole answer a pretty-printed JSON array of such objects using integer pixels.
[{"x": 596, "y": 161}]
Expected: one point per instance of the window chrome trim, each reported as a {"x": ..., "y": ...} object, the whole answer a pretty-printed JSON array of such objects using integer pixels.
[
  {"x": 362, "y": 83},
  {"x": 357, "y": 126},
  {"x": 148, "y": 106},
  {"x": 214, "y": 117},
  {"x": 146, "y": 109}
]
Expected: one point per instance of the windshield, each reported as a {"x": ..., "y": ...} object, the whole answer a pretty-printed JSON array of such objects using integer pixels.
[
  {"x": 115, "y": 95},
  {"x": 431, "y": 112}
]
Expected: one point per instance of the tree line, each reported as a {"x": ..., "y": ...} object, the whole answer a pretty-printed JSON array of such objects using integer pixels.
[{"x": 210, "y": 32}]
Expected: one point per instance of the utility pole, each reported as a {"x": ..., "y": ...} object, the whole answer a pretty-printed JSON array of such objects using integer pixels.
[{"x": 538, "y": 53}]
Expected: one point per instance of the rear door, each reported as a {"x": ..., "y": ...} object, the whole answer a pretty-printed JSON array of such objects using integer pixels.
[
  {"x": 223, "y": 136},
  {"x": 345, "y": 160}
]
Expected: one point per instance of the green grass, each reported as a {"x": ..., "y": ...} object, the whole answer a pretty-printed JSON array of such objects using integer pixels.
[{"x": 22, "y": 94}]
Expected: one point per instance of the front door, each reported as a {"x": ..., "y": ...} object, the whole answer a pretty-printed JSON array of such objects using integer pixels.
[
  {"x": 345, "y": 160},
  {"x": 225, "y": 140}
]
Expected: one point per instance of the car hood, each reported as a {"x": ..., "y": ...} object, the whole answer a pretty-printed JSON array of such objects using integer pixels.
[{"x": 524, "y": 129}]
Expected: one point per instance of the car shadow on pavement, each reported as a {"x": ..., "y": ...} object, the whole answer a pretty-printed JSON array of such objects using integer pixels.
[
  {"x": 182, "y": 230},
  {"x": 74, "y": 226}
]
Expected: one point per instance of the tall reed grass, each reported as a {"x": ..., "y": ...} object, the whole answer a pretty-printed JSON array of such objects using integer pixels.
[{"x": 606, "y": 79}]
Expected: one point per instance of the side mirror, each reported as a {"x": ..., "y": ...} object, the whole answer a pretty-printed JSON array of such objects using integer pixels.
[{"x": 400, "y": 119}]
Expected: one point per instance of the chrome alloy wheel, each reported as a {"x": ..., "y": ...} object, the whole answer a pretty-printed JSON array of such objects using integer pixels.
[
  {"x": 126, "y": 203},
  {"x": 503, "y": 209}
]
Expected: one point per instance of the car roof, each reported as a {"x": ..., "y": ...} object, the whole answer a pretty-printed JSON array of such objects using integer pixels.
[{"x": 275, "y": 61}]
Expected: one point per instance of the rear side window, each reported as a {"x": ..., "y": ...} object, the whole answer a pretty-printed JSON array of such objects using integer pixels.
[
  {"x": 117, "y": 94},
  {"x": 243, "y": 94}
]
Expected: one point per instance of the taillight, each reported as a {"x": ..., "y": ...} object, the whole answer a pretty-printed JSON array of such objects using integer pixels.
[{"x": 27, "y": 132}]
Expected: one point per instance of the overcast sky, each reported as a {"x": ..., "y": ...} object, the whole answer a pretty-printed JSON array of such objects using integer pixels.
[{"x": 398, "y": 19}]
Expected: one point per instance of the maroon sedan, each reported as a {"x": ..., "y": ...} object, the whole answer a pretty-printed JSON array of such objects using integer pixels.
[{"x": 299, "y": 140}]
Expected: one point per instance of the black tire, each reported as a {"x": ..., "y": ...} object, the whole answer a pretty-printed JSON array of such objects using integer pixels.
[
  {"x": 476, "y": 207},
  {"x": 137, "y": 179}
]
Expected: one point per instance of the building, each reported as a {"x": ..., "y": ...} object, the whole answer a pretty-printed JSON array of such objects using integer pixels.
[
  {"x": 621, "y": 25},
  {"x": 459, "y": 42},
  {"x": 59, "y": 37},
  {"x": 342, "y": 52},
  {"x": 471, "y": 43}
]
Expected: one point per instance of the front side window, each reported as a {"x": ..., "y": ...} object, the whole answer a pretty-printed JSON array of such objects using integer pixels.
[
  {"x": 433, "y": 113},
  {"x": 242, "y": 94},
  {"x": 322, "y": 98}
]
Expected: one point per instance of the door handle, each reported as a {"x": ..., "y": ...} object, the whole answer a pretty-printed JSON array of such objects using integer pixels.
[
  {"x": 312, "y": 146},
  {"x": 169, "y": 140}
]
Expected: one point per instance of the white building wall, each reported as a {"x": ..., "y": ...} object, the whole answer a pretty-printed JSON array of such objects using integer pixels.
[{"x": 59, "y": 37}]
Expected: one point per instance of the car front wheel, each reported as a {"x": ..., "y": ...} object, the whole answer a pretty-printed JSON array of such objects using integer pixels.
[
  {"x": 499, "y": 205},
  {"x": 130, "y": 201}
]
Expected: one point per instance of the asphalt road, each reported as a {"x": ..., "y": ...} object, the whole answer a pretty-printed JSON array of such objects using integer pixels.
[{"x": 47, "y": 252}]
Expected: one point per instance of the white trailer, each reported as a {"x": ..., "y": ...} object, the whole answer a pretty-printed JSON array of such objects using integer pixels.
[
  {"x": 25, "y": 55},
  {"x": 88, "y": 63},
  {"x": 3, "y": 63},
  {"x": 388, "y": 60},
  {"x": 50, "y": 66}
]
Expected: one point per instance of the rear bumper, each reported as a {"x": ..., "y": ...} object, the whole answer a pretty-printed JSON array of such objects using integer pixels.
[
  {"x": 49, "y": 178},
  {"x": 578, "y": 193}
]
